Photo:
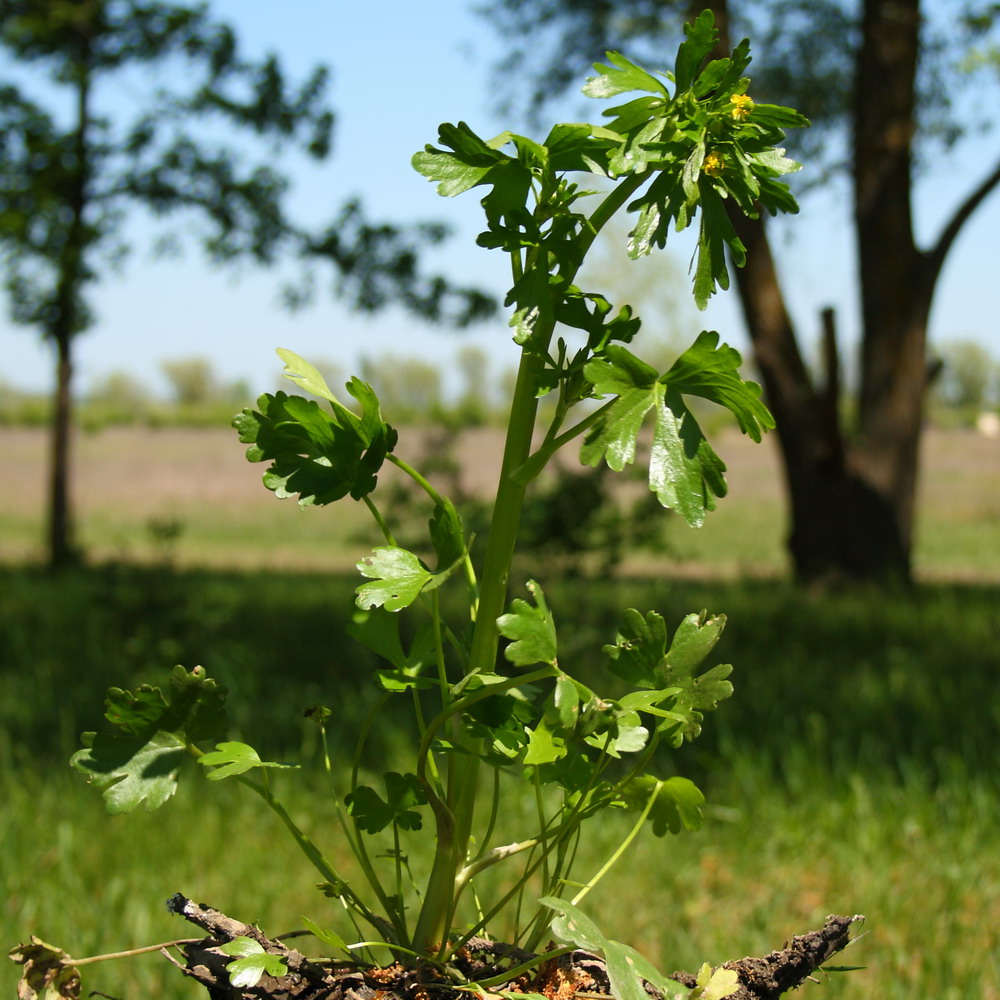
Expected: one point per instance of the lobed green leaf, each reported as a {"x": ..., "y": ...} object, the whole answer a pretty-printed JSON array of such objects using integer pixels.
[
  {"x": 398, "y": 578},
  {"x": 252, "y": 963},
  {"x": 531, "y": 630},
  {"x": 139, "y": 765},
  {"x": 372, "y": 813},
  {"x": 621, "y": 77},
  {"x": 639, "y": 655},
  {"x": 231, "y": 758}
]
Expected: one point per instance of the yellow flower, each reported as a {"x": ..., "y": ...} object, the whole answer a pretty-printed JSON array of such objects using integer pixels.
[
  {"x": 714, "y": 164},
  {"x": 742, "y": 106}
]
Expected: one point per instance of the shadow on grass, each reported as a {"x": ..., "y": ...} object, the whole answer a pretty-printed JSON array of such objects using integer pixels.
[{"x": 853, "y": 682}]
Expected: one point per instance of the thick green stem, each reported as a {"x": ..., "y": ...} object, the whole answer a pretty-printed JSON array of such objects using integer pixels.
[
  {"x": 455, "y": 824},
  {"x": 453, "y": 843}
]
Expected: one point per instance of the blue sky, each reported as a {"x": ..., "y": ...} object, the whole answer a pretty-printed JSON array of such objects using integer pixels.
[{"x": 399, "y": 69}]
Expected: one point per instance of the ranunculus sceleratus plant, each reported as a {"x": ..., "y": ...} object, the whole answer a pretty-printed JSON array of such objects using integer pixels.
[{"x": 491, "y": 697}]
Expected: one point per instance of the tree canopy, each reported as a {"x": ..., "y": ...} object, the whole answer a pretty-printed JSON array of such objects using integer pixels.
[{"x": 202, "y": 144}]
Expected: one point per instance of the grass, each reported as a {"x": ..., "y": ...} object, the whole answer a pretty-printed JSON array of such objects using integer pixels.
[{"x": 853, "y": 771}]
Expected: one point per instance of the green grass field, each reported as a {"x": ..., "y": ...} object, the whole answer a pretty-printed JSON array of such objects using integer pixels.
[{"x": 854, "y": 770}]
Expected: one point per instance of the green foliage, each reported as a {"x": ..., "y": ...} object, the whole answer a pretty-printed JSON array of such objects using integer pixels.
[
  {"x": 373, "y": 813},
  {"x": 251, "y": 962},
  {"x": 232, "y": 757},
  {"x": 628, "y": 970},
  {"x": 69, "y": 181},
  {"x": 582, "y": 745},
  {"x": 530, "y": 629},
  {"x": 139, "y": 764}
]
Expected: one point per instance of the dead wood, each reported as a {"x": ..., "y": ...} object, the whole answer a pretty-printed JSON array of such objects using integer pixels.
[
  {"x": 761, "y": 978},
  {"x": 771, "y": 975}
]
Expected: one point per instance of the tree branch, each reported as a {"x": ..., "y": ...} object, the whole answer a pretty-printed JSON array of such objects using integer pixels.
[
  {"x": 935, "y": 258},
  {"x": 772, "y": 975}
]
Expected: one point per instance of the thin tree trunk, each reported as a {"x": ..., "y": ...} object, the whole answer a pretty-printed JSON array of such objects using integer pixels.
[
  {"x": 62, "y": 550},
  {"x": 66, "y": 322}
]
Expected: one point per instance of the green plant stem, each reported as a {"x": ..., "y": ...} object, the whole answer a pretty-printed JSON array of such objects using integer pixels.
[
  {"x": 455, "y": 825},
  {"x": 358, "y": 844},
  {"x": 443, "y": 502},
  {"x": 539, "y": 459},
  {"x": 443, "y": 883},
  {"x": 379, "y": 520},
  {"x": 455, "y": 834},
  {"x": 622, "y": 847},
  {"x": 145, "y": 950}
]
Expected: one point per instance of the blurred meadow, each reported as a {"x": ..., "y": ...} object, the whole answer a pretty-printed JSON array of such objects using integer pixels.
[{"x": 853, "y": 771}]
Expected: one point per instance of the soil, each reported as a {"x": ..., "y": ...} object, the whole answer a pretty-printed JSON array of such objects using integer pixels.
[{"x": 577, "y": 974}]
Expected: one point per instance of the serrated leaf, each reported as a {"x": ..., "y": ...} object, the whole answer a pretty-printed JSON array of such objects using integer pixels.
[
  {"x": 629, "y": 736},
  {"x": 372, "y": 813},
  {"x": 714, "y": 237},
  {"x": 531, "y": 630},
  {"x": 320, "y": 456},
  {"x": 500, "y": 720},
  {"x": 639, "y": 649},
  {"x": 132, "y": 771},
  {"x": 778, "y": 116},
  {"x": 685, "y": 473},
  {"x": 469, "y": 161},
  {"x": 775, "y": 162},
  {"x": 48, "y": 972},
  {"x": 252, "y": 963},
  {"x": 398, "y": 577},
  {"x": 242, "y": 947},
  {"x": 232, "y": 757},
  {"x": 544, "y": 745},
  {"x": 677, "y": 805},
  {"x": 139, "y": 766},
  {"x": 378, "y": 629},
  {"x": 700, "y": 39}
]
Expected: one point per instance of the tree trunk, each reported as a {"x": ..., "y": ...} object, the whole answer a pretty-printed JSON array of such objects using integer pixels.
[
  {"x": 896, "y": 287},
  {"x": 851, "y": 497},
  {"x": 62, "y": 550},
  {"x": 67, "y": 320}
]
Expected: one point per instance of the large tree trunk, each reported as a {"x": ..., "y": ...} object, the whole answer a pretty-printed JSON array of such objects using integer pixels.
[
  {"x": 851, "y": 497},
  {"x": 896, "y": 287}
]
